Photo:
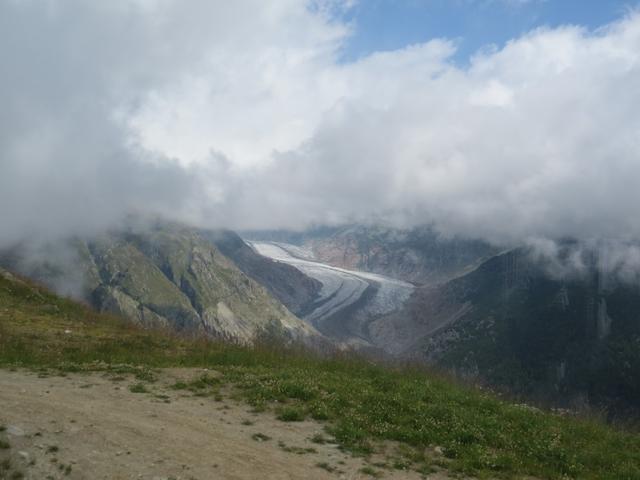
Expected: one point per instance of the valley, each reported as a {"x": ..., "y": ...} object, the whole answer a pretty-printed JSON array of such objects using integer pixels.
[
  {"x": 494, "y": 317},
  {"x": 348, "y": 300}
]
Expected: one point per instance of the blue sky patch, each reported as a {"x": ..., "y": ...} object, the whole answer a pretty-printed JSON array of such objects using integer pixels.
[{"x": 393, "y": 24}]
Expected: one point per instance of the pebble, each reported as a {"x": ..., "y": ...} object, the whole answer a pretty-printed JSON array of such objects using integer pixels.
[{"x": 15, "y": 431}]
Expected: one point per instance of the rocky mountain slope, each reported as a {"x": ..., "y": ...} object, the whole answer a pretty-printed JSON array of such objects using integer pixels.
[
  {"x": 574, "y": 340},
  {"x": 288, "y": 284},
  {"x": 168, "y": 276}
]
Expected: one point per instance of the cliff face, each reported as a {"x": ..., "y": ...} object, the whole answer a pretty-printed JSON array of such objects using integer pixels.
[{"x": 172, "y": 276}]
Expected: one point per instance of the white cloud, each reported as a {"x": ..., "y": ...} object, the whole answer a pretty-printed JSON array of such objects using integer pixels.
[{"x": 267, "y": 128}]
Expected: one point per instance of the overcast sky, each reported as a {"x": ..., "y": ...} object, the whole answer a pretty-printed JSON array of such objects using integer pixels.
[{"x": 285, "y": 113}]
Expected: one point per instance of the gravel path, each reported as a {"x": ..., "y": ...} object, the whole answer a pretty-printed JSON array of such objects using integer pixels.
[{"x": 91, "y": 426}]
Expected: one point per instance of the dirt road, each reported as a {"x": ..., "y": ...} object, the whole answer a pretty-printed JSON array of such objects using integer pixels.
[{"x": 91, "y": 426}]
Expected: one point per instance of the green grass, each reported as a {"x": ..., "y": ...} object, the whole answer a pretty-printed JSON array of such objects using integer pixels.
[
  {"x": 291, "y": 414},
  {"x": 371, "y": 472},
  {"x": 360, "y": 403},
  {"x": 138, "y": 388}
]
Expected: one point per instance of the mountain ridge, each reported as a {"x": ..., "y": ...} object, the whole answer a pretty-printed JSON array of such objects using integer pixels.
[{"x": 170, "y": 276}]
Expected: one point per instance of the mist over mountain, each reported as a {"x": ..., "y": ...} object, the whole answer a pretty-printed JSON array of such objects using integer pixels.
[{"x": 207, "y": 119}]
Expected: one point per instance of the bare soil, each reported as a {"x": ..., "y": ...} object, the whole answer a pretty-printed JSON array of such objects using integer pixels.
[{"x": 91, "y": 426}]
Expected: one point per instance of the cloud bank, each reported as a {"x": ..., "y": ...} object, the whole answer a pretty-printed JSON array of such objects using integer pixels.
[{"x": 242, "y": 114}]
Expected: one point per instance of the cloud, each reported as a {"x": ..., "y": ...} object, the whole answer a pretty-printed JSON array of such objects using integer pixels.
[
  {"x": 614, "y": 260},
  {"x": 242, "y": 114},
  {"x": 76, "y": 73}
]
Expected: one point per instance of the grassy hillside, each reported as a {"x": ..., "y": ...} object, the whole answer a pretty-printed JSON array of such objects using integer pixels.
[{"x": 436, "y": 423}]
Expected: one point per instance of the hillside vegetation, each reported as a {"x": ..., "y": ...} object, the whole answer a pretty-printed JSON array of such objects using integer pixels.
[{"x": 439, "y": 425}]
